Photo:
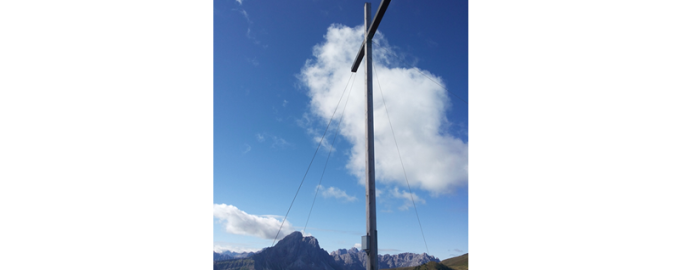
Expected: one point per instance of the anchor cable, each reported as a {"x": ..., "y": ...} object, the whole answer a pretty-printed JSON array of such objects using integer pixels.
[
  {"x": 400, "y": 160},
  {"x": 337, "y": 130},
  {"x": 312, "y": 161}
]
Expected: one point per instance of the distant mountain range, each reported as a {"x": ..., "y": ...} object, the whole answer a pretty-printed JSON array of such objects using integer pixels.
[
  {"x": 293, "y": 252},
  {"x": 297, "y": 252},
  {"x": 354, "y": 259},
  {"x": 228, "y": 255}
]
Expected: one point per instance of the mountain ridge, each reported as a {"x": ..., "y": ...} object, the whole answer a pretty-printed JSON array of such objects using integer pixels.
[
  {"x": 228, "y": 255},
  {"x": 354, "y": 259},
  {"x": 296, "y": 251}
]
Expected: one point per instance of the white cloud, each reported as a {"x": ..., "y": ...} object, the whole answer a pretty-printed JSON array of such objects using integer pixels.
[
  {"x": 335, "y": 193},
  {"x": 253, "y": 61},
  {"x": 307, "y": 123},
  {"x": 240, "y": 2},
  {"x": 249, "y": 33},
  {"x": 239, "y": 222},
  {"x": 435, "y": 160},
  {"x": 247, "y": 148},
  {"x": 245, "y": 14},
  {"x": 285, "y": 102},
  {"x": 221, "y": 247},
  {"x": 326, "y": 143},
  {"x": 406, "y": 196},
  {"x": 279, "y": 142},
  {"x": 357, "y": 245}
]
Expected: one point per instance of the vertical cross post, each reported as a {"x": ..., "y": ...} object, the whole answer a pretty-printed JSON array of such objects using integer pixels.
[
  {"x": 371, "y": 238},
  {"x": 371, "y": 230}
]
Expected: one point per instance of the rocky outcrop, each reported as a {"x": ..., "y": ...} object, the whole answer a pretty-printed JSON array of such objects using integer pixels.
[{"x": 350, "y": 259}]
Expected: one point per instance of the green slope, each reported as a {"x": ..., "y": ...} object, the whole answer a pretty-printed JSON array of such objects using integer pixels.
[
  {"x": 238, "y": 264},
  {"x": 458, "y": 263},
  {"x": 455, "y": 263}
]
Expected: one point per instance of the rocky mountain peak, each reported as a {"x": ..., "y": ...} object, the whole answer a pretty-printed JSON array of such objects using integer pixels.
[
  {"x": 339, "y": 252},
  {"x": 296, "y": 238},
  {"x": 293, "y": 252}
]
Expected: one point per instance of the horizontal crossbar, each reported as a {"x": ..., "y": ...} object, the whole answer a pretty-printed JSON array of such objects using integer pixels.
[{"x": 371, "y": 32}]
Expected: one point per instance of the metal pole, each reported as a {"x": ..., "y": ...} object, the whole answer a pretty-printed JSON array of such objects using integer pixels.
[{"x": 371, "y": 230}]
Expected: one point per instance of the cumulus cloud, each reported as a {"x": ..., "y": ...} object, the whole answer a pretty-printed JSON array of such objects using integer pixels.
[
  {"x": 335, "y": 193},
  {"x": 239, "y": 222},
  {"x": 357, "y": 245},
  {"x": 435, "y": 160},
  {"x": 406, "y": 196}
]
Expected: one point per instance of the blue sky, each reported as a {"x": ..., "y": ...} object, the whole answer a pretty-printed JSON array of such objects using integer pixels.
[{"x": 279, "y": 71}]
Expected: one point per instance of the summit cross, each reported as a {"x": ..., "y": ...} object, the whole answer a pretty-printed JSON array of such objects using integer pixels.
[{"x": 370, "y": 240}]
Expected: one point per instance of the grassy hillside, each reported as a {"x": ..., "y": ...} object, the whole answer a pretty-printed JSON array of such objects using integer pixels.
[
  {"x": 238, "y": 264},
  {"x": 455, "y": 263},
  {"x": 458, "y": 263}
]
